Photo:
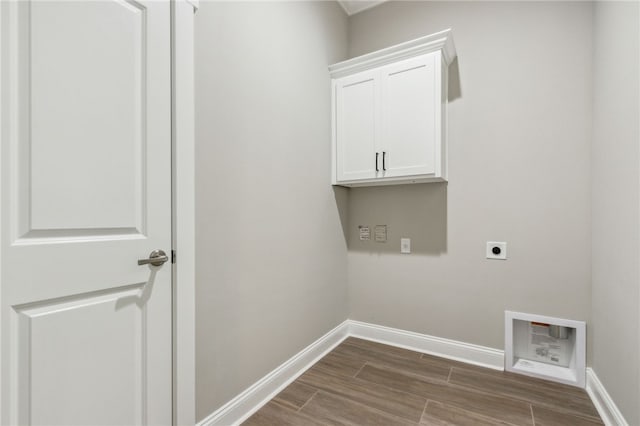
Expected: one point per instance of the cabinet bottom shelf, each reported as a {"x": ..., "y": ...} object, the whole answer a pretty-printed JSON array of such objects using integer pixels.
[{"x": 389, "y": 181}]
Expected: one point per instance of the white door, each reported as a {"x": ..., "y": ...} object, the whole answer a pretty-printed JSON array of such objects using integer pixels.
[
  {"x": 85, "y": 186},
  {"x": 356, "y": 123},
  {"x": 409, "y": 107}
]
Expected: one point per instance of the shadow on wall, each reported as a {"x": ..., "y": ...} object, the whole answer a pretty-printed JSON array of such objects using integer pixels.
[
  {"x": 454, "y": 90},
  {"x": 341, "y": 195},
  {"x": 417, "y": 211}
]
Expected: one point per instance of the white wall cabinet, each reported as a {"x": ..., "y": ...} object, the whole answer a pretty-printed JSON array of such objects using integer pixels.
[{"x": 389, "y": 114}]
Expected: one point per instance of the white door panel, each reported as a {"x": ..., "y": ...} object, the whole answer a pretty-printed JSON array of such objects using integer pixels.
[
  {"x": 356, "y": 117},
  {"x": 75, "y": 336},
  {"x": 74, "y": 81},
  {"x": 409, "y": 110},
  {"x": 85, "y": 181}
]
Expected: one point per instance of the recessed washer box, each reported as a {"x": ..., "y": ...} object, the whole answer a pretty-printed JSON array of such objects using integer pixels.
[{"x": 533, "y": 348}]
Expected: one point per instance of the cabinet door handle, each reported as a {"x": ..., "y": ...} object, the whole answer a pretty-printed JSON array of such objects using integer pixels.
[
  {"x": 377, "y": 162},
  {"x": 384, "y": 167}
]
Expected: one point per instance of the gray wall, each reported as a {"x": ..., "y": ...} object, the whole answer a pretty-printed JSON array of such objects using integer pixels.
[
  {"x": 273, "y": 270},
  {"x": 519, "y": 169},
  {"x": 271, "y": 254},
  {"x": 616, "y": 204}
]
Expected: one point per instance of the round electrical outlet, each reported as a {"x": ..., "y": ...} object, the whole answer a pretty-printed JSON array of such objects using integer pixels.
[{"x": 496, "y": 250}]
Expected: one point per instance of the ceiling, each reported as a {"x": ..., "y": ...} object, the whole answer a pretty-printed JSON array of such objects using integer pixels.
[{"x": 354, "y": 6}]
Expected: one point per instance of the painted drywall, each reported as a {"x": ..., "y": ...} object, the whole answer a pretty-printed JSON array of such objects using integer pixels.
[
  {"x": 616, "y": 204},
  {"x": 271, "y": 253},
  {"x": 519, "y": 171}
]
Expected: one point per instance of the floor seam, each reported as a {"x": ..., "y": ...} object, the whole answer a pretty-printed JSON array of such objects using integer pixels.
[
  {"x": 424, "y": 410},
  {"x": 369, "y": 407},
  {"x": 360, "y": 369},
  {"x": 308, "y": 400},
  {"x": 533, "y": 419}
]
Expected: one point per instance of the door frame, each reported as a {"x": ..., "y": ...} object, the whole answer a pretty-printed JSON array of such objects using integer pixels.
[{"x": 183, "y": 209}]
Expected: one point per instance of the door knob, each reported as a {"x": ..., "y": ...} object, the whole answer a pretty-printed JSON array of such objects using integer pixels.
[{"x": 156, "y": 258}]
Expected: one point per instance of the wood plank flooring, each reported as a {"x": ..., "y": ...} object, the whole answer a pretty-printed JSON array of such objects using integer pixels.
[{"x": 367, "y": 383}]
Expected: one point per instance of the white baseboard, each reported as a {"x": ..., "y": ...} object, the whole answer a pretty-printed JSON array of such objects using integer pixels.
[
  {"x": 607, "y": 409},
  {"x": 445, "y": 348},
  {"x": 248, "y": 402}
]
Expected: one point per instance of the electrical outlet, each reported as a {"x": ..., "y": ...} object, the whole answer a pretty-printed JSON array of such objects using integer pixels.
[
  {"x": 496, "y": 250},
  {"x": 405, "y": 245}
]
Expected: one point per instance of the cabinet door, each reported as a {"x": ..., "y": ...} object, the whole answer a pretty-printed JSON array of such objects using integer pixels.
[
  {"x": 410, "y": 116},
  {"x": 356, "y": 126}
]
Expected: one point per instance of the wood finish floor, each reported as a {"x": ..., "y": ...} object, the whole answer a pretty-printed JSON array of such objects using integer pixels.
[{"x": 367, "y": 383}]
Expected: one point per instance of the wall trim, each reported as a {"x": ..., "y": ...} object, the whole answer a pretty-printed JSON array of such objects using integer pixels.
[
  {"x": 438, "y": 346},
  {"x": 611, "y": 415},
  {"x": 255, "y": 396},
  {"x": 251, "y": 399}
]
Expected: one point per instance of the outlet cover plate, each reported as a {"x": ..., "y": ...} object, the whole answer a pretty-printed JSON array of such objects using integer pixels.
[
  {"x": 499, "y": 246},
  {"x": 405, "y": 245}
]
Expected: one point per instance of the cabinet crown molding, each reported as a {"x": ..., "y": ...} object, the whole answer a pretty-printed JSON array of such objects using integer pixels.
[{"x": 440, "y": 41}]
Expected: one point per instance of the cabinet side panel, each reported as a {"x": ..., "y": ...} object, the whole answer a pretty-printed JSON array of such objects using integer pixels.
[{"x": 442, "y": 151}]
